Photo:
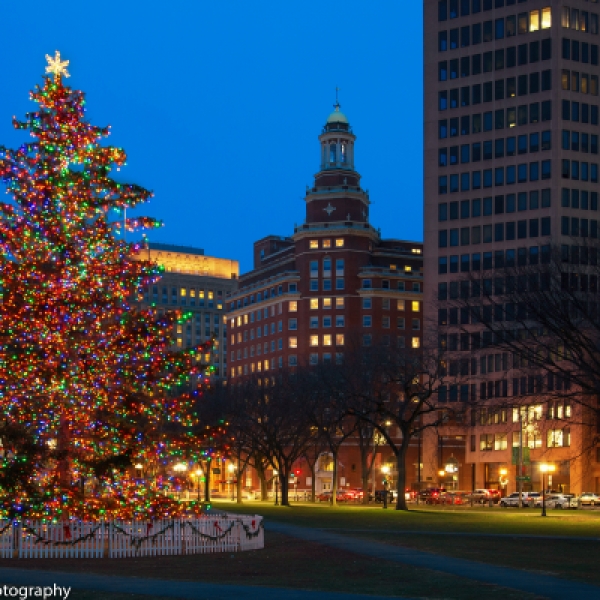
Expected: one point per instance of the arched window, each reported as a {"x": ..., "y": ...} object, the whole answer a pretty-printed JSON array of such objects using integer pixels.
[
  {"x": 332, "y": 153},
  {"x": 343, "y": 148}
]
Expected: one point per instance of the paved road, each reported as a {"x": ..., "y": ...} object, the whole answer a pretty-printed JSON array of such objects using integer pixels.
[
  {"x": 547, "y": 586},
  {"x": 168, "y": 588}
]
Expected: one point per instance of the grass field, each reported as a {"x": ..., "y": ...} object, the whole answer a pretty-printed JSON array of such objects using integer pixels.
[{"x": 570, "y": 558}]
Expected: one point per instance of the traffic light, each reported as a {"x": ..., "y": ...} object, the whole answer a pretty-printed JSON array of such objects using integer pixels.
[
  {"x": 384, "y": 481},
  {"x": 297, "y": 472}
]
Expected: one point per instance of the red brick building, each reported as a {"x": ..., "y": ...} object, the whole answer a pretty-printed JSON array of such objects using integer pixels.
[{"x": 333, "y": 283}]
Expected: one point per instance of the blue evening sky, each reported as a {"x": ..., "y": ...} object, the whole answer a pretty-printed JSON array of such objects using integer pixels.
[{"x": 219, "y": 103}]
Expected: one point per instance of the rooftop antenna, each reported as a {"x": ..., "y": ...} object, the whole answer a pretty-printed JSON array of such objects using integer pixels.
[{"x": 337, "y": 102}]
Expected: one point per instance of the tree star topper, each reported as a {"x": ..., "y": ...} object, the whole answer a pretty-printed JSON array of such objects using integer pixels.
[{"x": 57, "y": 67}]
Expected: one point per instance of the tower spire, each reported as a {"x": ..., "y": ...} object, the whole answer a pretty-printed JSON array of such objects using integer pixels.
[{"x": 337, "y": 102}]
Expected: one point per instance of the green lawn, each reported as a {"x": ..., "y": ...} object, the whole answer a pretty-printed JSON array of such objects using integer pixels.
[
  {"x": 580, "y": 523},
  {"x": 577, "y": 559}
]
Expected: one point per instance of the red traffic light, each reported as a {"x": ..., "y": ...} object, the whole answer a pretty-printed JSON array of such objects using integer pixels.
[{"x": 297, "y": 472}]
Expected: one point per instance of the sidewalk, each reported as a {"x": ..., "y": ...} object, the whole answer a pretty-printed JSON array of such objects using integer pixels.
[
  {"x": 547, "y": 586},
  {"x": 167, "y": 588}
]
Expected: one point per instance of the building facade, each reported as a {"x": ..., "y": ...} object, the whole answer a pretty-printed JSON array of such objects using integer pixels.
[
  {"x": 332, "y": 285},
  {"x": 511, "y": 167},
  {"x": 198, "y": 284}
]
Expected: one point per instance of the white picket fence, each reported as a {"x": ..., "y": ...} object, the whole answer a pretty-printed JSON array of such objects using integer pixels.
[
  {"x": 7, "y": 543},
  {"x": 120, "y": 539}
]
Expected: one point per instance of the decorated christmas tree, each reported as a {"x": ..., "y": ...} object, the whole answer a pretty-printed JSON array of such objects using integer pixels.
[{"x": 89, "y": 383}]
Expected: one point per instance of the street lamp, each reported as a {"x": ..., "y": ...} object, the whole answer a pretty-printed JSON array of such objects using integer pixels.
[
  {"x": 198, "y": 474},
  {"x": 231, "y": 469},
  {"x": 503, "y": 480},
  {"x": 385, "y": 470},
  {"x": 180, "y": 468},
  {"x": 545, "y": 468}
]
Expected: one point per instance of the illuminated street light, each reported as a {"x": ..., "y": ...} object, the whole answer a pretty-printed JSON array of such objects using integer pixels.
[{"x": 545, "y": 468}]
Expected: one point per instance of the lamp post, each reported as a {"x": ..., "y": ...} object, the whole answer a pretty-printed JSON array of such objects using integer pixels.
[
  {"x": 231, "y": 469},
  {"x": 180, "y": 468},
  {"x": 545, "y": 468},
  {"x": 198, "y": 474},
  {"x": 503, "y": 480},
  {"x": 385, "y": 470},
  {"x": 276, "y": 482}
]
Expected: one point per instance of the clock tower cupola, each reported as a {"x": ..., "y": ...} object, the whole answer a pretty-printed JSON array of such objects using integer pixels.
[{"x": 336, "y": 195}]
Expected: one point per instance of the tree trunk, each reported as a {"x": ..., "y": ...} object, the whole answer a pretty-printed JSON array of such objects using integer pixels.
[
  {"x": 207, "y": 481},
  {"x": 313, "y": 483},
  {"x": 260, "y": 471},
  {"x": 238, "y": 484},
  {"x": 401, "y": 467},
  {"x": 284, "y": 479},
  {"x": 364, "y": 472},
  {"x": 334, "y": 485}
]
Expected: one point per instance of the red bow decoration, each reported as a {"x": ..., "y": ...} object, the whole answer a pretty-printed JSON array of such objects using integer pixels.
[
  {"x": 67, "y": 531},
  {"x": 253, "y": 523},
  {"x": 217, "y": 526},
  {"x": 148, "y": 528}
]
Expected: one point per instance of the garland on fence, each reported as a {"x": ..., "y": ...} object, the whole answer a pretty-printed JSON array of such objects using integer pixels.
[
  {"x": 5, "y": 527},
  {"x": 249, "y": 533},
  {"x": 207, "y": 536},
  {"x": 138, "y": 541},
  {"x": 40, "y": 540}
]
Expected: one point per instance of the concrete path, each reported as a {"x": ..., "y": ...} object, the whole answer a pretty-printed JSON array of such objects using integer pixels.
[
  {"x": 525, "y": 536},
  {"x": 168, "y": 588},
  {"x": 548, "y": 586}
]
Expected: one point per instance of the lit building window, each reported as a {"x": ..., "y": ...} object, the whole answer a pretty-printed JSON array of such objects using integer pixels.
[
  {"x": 392, "y": 267},
  {"x": 314, "y": 303},
  {"x": 266, "y": 365},
  {"x": 339, "y": 243},
  {"x": 339, "y": 339},
  {"x": 259, "y": 366},
  {"x": 416, "y": 342},
  {"x": 313, "y": 244},
  {"x": 179, "y": 329},
  {"x": 416, "y": 250},
  {"x": 211, "y": 295},
  {"x": 293, "y": 306},
  {"x": 339, "y": 302},
  {"x": 314, "y": 340},
  {"x": 183, "y": 292},
  {"x": 546, "y": 17},
  {"x": 179, "y": 342},
  {"x": 400, "y": 305},
  {"x": 326, "y": 302},
  {"x": 292, "y": 342},
  {"x": 407, "y": 268},
  {"x": 534, "y": 20},
  {"x": 252, "y": 367},
  {"x": 239, "y": 320},
  {"x": 559, "y": 438},
  {"x": 416, "y": 306},
  {"x": 232, "y": 323},
  {"x": 245, "y": 319},
  {"x": 327, "y": 340},
  {"x": 326, "y": 243}
]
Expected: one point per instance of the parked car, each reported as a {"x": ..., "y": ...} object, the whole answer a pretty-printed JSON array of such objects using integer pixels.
[
  {"x": 485, "y": 495},
  {"x": 558, "y": 501},
  {"x": 430, "y": 493},
  {"x": 529, "y": 499},
  {"x": 588, "y": 498}
]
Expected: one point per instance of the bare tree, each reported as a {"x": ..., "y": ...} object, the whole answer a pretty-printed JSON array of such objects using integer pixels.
[
  {"x": 272, "y": 412},
  {"x": 543, "y": 311},
  {"x": 396, "y": 388}
]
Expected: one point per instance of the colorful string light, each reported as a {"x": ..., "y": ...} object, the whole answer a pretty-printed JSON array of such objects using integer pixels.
[{"x": 87, "y": 371}]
